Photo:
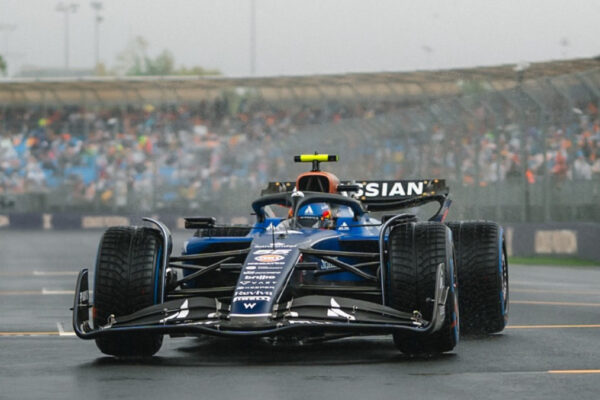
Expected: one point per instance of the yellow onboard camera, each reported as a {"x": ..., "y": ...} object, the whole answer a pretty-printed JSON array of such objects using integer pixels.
[{"x": 316, "y": 159}]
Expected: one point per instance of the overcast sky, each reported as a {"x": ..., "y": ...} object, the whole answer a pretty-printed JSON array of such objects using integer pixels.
[{"x": 308, "y": 36}]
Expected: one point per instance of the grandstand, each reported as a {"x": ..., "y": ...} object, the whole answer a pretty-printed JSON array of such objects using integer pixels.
[
  {"x": 409, "y": 86},
  {"x": 514, "y": 143}
]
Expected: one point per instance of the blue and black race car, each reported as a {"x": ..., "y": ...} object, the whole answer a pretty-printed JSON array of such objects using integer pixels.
[{"x": 325, "y": 268}]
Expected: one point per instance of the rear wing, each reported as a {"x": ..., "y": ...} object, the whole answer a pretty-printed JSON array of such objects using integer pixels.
[
  {"x": 386, "y": 195},
  {"x": 375, "y": 191},
  {"x": 385, "y": 191},
  {"x": 402, "y": 194}
]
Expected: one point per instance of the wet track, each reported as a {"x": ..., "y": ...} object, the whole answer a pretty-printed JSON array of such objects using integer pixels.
[{"x": 549, "y": 351}]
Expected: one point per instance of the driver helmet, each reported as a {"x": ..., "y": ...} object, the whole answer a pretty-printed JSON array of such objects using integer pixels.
[{"x": 310, "y": 215}]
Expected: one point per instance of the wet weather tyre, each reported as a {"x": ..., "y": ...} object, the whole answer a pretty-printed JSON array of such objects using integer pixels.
[
  {"x": 127, "y": 277},
  {"x": 415, "y": 252},
  {"x": 482, "y": 276}
]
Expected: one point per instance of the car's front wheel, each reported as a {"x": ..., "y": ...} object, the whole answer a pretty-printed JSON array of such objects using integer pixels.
[
  {"x": 127, "y": 279},
  {"x": 415, "y": 252}
]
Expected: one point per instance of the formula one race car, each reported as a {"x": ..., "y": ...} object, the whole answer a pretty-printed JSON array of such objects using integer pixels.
[{"x": 324, "y": 269}]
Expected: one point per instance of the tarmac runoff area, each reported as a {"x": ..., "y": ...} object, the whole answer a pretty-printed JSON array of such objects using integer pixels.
[{"x": 549, "y": 350}]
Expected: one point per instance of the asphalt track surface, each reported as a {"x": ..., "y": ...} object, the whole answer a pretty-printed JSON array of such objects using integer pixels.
[{"x": 549, "y": 351}]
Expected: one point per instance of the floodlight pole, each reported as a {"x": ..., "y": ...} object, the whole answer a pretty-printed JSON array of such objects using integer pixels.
[
  {"x": 97, "y": 6},
  {"x": 252, "y": 37},
  {"x": 67, "y": 9}
]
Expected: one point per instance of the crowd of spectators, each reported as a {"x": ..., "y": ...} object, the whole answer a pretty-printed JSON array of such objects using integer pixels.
[
  {"x": 478, "y": 151},
  {"x": 120, "y": 156},
  {"x": 153, "y": 156}
]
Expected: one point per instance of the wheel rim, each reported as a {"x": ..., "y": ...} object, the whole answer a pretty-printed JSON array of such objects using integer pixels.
[{"x": 504, "y": 284}]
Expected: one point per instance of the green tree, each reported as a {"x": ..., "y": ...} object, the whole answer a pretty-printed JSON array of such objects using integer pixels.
[
  {"x": 134, "y": 60},
  {"x": 130, "y": 61},
  {"x": 163, "y": 64},
  {"x": 101, "y": 70},
  {"x": 196, "y": 71},
  {"x": 3, "y": 66},
  {"x": 473, "y": 86}
]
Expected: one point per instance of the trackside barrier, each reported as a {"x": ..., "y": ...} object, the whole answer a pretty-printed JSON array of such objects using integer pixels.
[{"x": 580, "y": 240}]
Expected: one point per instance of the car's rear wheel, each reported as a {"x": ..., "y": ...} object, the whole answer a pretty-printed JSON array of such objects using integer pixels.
[
  {"x": 415, "y": 252},
  {"x": 482, "y": 275},
  {"x": 127, "y": 280}
]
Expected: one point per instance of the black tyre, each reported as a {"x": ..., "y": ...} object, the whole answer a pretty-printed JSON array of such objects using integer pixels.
[
  {"x": 415, "y": 251},
  {"x": 127, "y": 280},
  {"x": 482, "y": 276}
]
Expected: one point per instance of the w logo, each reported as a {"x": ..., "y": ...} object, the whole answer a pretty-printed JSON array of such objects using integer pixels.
[{"x": 249, "y": 306}]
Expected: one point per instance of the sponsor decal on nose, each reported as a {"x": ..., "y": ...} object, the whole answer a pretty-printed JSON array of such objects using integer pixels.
[{"x": 266, "y": 258}]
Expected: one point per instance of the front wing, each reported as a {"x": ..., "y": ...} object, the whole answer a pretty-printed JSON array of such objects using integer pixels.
[{"x": 312, "y": 314}]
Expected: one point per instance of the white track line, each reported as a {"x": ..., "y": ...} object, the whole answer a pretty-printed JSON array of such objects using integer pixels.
[
  {"x": 61, "y": 330},
  {"x": 27, "y": 334},
  {"x": 551, "y": 284},
  {"x": 583, "y": 292},
  {"x": 22, "y": 274},
  {"x": 574, "y": 371},
  {"x": 46, "y": 292},
  {"x": 554, "y": 303},
  {"x": 55, "y": 273},
  {"x": 60, "y": 333},
  {"x": 595, "y": 326},
  {"x": 42, "y": 292}
]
